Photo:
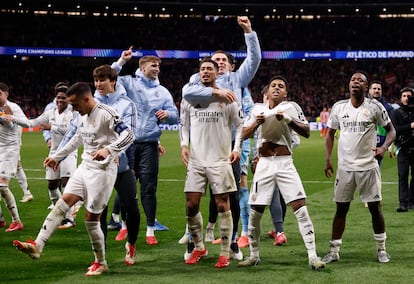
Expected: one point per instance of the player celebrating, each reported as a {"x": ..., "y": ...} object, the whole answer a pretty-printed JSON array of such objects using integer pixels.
[
  {"x": 277, "y": 119},
  {"x": 208, "y": 127},
  {"x": 357, "y": 118},
  {"x": 9, "y": 155},
  {"x": 103, "y": 135}
]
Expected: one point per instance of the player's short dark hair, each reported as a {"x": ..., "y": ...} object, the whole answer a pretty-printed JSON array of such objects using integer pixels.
[
  {"x": 365, "y": 73},
  {"x": 279, "y": 77},
  {"x": 79, "y": 89},
  {"x": 208, "y": 59},
  {"x": 61, "y": 87},
  {"x": 4, "y": 87}
]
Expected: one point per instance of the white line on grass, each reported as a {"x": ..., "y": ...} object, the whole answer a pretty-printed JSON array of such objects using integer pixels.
[{"x": 181, "y": 180}]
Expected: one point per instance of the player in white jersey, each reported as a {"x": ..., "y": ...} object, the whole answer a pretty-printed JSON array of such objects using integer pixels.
[
  {"x": 9, "y": 155},
  {"x": 103, "y": 135},
  {"x": 357, "y": 118},
  {"x": 59, "y": 119},
  {"x": 277, "y": 120},
  {"x": 20, "y": 173},
  {"x": 207, "y": 127}
]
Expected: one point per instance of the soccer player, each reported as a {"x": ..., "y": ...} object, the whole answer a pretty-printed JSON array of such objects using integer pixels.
[
  {"x": 357, "y": 119},
  {"x": 105, "y": 81},
  {"x": 155, "y": 105},
  {"x": 277, "y": 120},
  {"x": 9, "y": 155},
  {"x": 59, "y": 118},
  {"x": 103, "y": 135},
  {"x": 207, "y": 127},
  {"x": 20, "y": 173},
  {"x": 235, "y": 81},
  {"x": 277, "y": 206}
]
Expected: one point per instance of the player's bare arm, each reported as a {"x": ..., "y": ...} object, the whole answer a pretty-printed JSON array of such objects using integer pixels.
[
  {"x": 234, "y": 157},
  {"x": 101, "y": 154},
  {"x": 50, "y": 162},
  {"x": 391, "y": 134},
  {"x": 185, "y": 154},
  {"x": 300, "y": 128},
  {"x": 329, "y": 143},
  {"x": 248, "y": 131}
]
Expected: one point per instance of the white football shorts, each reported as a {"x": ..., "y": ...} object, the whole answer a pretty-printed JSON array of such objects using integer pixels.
[
  {"x": 272, "y": 172},
  {"x": 93, "y": 185},
  {"x": 9, "y": 157},
  {"x": 220, "y": 178},
  {"x": 368, "y": 183}
]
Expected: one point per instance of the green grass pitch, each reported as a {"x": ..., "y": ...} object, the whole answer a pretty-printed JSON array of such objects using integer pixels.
[{"x": 68, "y": 252}]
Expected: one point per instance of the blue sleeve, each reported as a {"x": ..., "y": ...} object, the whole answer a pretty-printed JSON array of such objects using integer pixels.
[
  {"x": 194, "y": 92},
  {"x": 71, "y": 132},
  {"x": 171, "y": 108},
  {"x": 247, "y": 102}
]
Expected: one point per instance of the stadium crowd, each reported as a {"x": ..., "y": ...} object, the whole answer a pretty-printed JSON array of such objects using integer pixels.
[{"x": 314, "y": 83}]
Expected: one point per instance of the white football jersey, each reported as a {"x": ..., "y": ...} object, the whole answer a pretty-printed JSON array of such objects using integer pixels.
[
  {"x": 10, "y": 136},
  {"x": 207, "y": 129},
  {"x": 59, "y": 123},
  {"x": 358, "y": 132},
  {"x": 95, "y": 131},
  {"x": 273, "y": 130}
]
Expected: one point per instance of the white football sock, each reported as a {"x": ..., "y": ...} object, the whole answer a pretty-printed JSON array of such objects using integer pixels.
[
  {"x": 97, "y": 240},
  {"x": 195, "y": 226},
  {"x": 50, "y": 224},
  {"x": 254, "y": 231},
  {"x": 22, "y": 180},
  {"x": 10, "y": 202},
  {"x": 306, "y": 230},
  {"x": 226, "y": 230},
  {"x": 380, "y": 240}
]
